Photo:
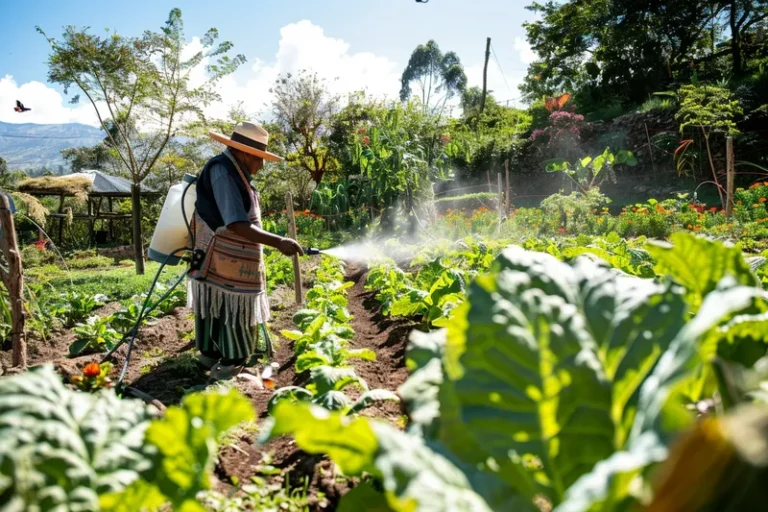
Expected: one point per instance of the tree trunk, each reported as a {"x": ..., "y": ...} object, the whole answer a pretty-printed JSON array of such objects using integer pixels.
[
  {"x": 138, "y": 246},
  {"x": 735, "y": 40},
  {"x": 13, "y": 280}
]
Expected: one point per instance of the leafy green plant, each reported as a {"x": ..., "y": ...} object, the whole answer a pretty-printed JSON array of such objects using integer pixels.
[
  {"x": 125, "y": 319},
  {"x": 709, "y": 109},
  {"x": 184, "y": 442},
  {"x": 326, "y": 389},
  {"x": 596, "y": 365},
  {"x": 75, "y": 307},
  {"x": 388, "y": 281},
  {"x": 589, "y": 172},
  {"x": 63, "y": 449},
  {"x": 96, "y": 335}
]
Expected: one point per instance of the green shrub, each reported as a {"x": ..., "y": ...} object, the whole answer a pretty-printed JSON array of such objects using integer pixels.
[{"x": 657, "y": 104}]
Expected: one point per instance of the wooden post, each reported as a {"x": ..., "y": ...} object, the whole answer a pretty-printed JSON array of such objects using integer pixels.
[
  {"x": 91, "y": 223},
  {"x": 485, "y": 73},
  {"x": 730, "y": 176},
  {"x": 61, "y": 219},
  {"x": 650, "y": 148},
  {"x": 501, "y": 202},
  {"x": 13, "y": 280},
  {"x": 111, "y": 223},
  {"x": 508, "y": 192},
  {"x": 292, "y": 234}
]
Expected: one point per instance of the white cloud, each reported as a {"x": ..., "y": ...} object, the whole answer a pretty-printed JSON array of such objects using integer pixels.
[
  {"x": 526, "y": 53},
  {"x": 47, "y": 104},
  {"x": 304, "y": 46}
]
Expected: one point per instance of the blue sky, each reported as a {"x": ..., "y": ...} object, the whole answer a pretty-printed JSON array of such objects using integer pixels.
[{"x": 350, "y": 43}]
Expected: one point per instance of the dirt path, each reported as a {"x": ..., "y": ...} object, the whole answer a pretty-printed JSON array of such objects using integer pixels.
[{"x": 243, "y": 458}]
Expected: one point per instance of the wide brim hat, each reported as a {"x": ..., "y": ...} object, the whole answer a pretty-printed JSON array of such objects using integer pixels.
[{"x": 249, "y": 138}]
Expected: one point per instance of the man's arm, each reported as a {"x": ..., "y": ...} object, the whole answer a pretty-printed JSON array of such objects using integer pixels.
[
  {"x": 251, "y": 232},
  {"x": 235, "y": 217}
]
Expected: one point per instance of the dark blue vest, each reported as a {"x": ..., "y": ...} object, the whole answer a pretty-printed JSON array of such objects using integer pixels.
[{"x": 206, "y": 202}]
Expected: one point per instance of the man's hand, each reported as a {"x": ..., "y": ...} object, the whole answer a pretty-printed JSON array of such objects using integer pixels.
[{"x": 289, "y": 247}]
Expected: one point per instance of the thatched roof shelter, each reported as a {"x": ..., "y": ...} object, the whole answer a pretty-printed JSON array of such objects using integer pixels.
[
  {"x": 83, "y": 184},
  {"x": 90, "y": 187}
]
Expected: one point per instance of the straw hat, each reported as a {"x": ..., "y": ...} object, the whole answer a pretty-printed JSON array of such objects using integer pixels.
[{"x": 248, "y": 138}]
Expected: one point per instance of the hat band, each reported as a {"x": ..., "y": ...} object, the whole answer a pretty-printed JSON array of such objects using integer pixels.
[{"x": 242, "y": 139}]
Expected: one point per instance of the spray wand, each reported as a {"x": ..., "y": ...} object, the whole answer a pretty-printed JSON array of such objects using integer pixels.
[{"x": 311, "y": 251}]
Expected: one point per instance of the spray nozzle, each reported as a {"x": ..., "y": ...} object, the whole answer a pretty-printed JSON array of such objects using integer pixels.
[{"x": 311, "y": 251}]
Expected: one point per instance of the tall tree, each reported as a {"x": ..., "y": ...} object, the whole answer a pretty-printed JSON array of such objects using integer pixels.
[
  {"x": 303, "y": 110},
  {"x": 140, "y": 89},
  {"x": 86, "y": 157},
  {"x": 439, "y": 76},
  {"x": 618, "y": 49},
  {"x": 745, "y": 17}
]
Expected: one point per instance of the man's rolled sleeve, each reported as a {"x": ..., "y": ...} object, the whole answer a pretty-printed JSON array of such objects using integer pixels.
[{"x": 227, "y": 195}]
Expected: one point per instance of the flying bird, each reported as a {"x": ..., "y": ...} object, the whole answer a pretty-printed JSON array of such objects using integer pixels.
[{"x": 20, "y": 107}]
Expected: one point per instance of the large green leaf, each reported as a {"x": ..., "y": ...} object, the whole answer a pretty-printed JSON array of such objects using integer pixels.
[
  {"x": 60, "y": 449},
  {"x": 350, "y": 442},
  {"x": 186, "y": 442},
  {"x": 661, "y": 414},
  {"x": 554, "y": 359},
  {"x": 700, "y": 264}
]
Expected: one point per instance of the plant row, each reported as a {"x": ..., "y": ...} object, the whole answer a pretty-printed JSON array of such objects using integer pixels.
[
  {"x": 575, "y": 387},
  {"x": 323, "y": 348}
]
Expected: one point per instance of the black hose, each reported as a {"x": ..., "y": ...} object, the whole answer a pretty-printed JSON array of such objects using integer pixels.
[
  {"x": 184, "y": 213},
  {"x": 142, "y": 314}
]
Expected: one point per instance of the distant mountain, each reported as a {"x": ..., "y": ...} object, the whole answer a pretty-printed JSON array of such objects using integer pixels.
[{"x": 33, "y": 146}]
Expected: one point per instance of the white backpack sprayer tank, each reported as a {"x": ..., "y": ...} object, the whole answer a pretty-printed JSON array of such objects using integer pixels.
[{"x": 172, "y": 231}]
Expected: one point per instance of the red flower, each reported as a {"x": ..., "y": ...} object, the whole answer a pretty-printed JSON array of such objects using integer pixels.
[
  {"x": 366, "y": 140},
  {"x": 713, "y": 209},
  {"x": 40, "y": 244},
  {"x": 92, "y": 370},
  {"x": 445, "y": 139},
  {"x": 562, "y": 230},
  {"x": 362, "y": 131}
]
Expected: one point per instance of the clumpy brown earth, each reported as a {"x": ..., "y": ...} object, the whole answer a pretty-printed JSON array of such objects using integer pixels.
[
  {"x": 245, "y": 458},
  {"x": 163, "y": 366}
]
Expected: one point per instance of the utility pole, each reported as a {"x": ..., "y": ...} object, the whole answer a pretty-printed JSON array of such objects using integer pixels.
[{"x": 485, "y": 73}]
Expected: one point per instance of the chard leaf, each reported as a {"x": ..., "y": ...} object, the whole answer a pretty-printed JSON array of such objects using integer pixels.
[
  {"x": 700, "y": 264},
  {"x": 369, "y": 398},
  {"x": 61, "y": 449},
  {"x": 350, "y": 442}
]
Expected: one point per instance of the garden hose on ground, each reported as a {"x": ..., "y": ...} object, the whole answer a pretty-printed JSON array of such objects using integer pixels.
[{"x": 145, "y": 310}]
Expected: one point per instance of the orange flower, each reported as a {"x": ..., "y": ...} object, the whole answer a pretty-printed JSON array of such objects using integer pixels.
[
  {"x": 306, "y": 212},
  {"x": 690, "y": 227},
  {"x": 762, "y": 200},
  {"x": 92, "y": 370}
]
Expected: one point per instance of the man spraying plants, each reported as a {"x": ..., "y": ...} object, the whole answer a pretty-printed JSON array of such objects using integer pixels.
[{"x": 227, "y": 286}]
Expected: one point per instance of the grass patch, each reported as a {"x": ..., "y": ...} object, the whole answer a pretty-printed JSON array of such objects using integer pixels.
[
  {"x": 117, "y": 283},
  {"x": 90, "y": 262}
]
